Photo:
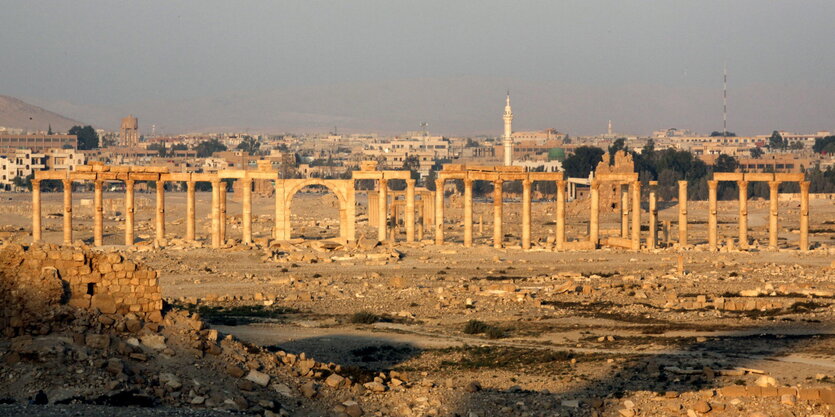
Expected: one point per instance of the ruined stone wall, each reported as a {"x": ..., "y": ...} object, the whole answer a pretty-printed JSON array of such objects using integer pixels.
[
  {"x": 609, "y": 196},
  {"x": 81, "y": 278}
]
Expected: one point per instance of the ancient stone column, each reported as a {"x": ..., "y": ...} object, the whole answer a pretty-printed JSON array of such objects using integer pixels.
[
  {"x": 247, "y": 211},
  {"x": 743, "y": 214},
  {"x": 67, "y": 212},
  {"x": 468, "y": 212},
  {"x": 480, "y": 225},
  {"x": 560, "y": 232},
  {"x": 526, "y": 214},
  {"x": 773, "y": 187},
  {"x": 36, "y": 210},
  {"x": 350, "y": 213},
  {"x": 223, "y": 213},
  {"x": 682, "y": 213},
  {"x": 636, "y": 215},
  {"x": 394, "y": 212},
  {"x": 624, "y": 210},
  {"x": 804, "y": 215},
  {"x": 428, "y": 212},
  {"x": 160, "y": 226},
  {"x": 653, "y": 216},
  {"x": 383, "y": 210},
  {"x": 410, "y": 210},
  {"x": 711, "y": 214},
  {"x": 281, "y": 212},
  {"x": 439, "y": 212},
  {"x": 498, "y": 197},
  {"x": 216, "y": 214},
  {"x": 373, "y": 208},
  {"x": 190, "y": 210},
  {"x": 594, "y": 217},
  {"x": 420, "y": 228},
  {"x": 129, "y": 212},
  {"x": 98, "y": 213}
]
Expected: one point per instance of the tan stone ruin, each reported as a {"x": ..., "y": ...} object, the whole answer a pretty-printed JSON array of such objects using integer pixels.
[
  {"x": 773, "y": 180},
  {"x": 615, "y": 181},
  {"x": 284, "y": 190},
  {"x": 497, "y": 175}
]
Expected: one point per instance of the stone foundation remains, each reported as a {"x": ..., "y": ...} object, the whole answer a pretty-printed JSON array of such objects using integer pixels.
[{"x": 79, "y": 277}]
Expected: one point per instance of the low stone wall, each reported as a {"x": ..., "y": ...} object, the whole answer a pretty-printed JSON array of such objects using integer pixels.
[
  {"x": 812, "y": 196},
  {"x": 735, "y": 303},
  {"x": 81, "y": 278}
]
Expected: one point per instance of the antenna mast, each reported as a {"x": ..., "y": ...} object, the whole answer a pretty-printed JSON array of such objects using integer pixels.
[{"x": 725, "y": 102}]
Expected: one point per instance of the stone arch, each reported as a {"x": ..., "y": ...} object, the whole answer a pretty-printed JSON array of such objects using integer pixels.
[{"x": 342, "y": 189}]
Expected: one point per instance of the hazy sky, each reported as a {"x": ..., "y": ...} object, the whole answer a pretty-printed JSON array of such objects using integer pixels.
[{"x": 387, "y": 65}]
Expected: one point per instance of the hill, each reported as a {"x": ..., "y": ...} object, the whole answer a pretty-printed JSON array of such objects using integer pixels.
[{"x": 17, "y": 114}]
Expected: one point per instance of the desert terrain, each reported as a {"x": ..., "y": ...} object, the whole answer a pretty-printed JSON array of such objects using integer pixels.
[{"x": 423, "y": 329}]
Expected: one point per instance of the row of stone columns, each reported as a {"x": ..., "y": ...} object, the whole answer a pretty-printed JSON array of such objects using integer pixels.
[
  {"x": 218, "y": 212},
  {"x": 712, "y": 231},
  {"x": 218, "y": 233},
  {"x": 378, "y": 211},
  {"x": 498, "y": 234}
]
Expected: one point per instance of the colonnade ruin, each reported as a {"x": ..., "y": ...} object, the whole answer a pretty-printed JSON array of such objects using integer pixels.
[{"x": 421, "y": 211}]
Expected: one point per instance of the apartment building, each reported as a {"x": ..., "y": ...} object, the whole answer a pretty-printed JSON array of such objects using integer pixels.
[{"x": 37, "y": 143}]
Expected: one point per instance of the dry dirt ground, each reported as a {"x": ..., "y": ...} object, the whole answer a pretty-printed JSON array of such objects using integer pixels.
[{"x": 484, "y": 331}]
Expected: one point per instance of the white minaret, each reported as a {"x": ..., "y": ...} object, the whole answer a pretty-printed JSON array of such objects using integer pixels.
[
  {"x": 610, "y": 128},
  {"x": 508, "y": 129}
]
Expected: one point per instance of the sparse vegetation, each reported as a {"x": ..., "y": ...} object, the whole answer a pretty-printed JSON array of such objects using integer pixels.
[
  {"x": 479, "y": 327},
  {"x": 237, "y": 315},
  {"x": 364, "y": 317}
]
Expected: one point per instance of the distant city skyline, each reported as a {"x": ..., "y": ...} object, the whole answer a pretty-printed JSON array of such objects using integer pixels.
[{"x": 379, "y": 66}]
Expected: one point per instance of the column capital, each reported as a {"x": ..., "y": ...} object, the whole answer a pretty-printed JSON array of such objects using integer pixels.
[
  {"x": 66, "y": 181},
  {"x": 742, "y": 183},
  {"x": 527, "y": 182},
  {"x": 713, "y": 184},
  {"x": 130, "y": 182},
  {"x": 36, "y": 182},
  {"x": 595, "y": 185},
  {"x": 468, "y": 182},
  {"x": 498, "y": 181},
  {"x": 804, "y": 186},
  {"x": 98, "y": 184},
  {"x": 410, "y": 182},
  {"x": 774, "y": 184}
]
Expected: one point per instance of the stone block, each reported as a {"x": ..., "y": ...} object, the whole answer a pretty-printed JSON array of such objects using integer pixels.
[
  {"x": 827, "y": 396},
  {"x": 105, "y": 303},
  {"x": 259, "y": 378},
  {"x": 97, "y": 341},
  {"x": 770, "y": 392},
  {"x": 808, "y": 394},
  {"x": 80, "y": 302},
  {"x": 734, "y": 391}
]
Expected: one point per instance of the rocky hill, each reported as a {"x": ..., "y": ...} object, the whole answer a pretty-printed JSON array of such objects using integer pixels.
[{"x": 18, "y": 114}]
